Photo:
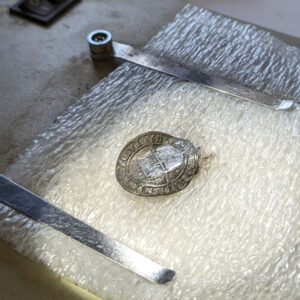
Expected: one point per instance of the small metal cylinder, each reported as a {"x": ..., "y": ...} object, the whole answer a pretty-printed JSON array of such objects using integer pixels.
[{"x": 100, "y": 43}]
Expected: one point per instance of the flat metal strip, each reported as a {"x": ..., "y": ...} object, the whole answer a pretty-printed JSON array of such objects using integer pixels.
[
  {"x": 214, "y": 82},
  {"x": 102, "y": 47},
  {"x": 34, "y": 207}
]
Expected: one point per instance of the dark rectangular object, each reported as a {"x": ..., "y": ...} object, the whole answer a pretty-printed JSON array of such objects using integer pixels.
[{"x": 42, "y": 11}]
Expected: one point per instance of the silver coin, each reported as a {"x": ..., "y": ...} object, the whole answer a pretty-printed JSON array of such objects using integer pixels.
[{"x": 156, "y": 163}]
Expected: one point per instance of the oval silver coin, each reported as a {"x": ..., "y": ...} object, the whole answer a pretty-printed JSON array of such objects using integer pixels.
[{"x": 156, "y": 163}]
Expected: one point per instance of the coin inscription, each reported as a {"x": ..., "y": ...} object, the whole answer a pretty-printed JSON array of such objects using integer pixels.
[{"x": 156, "y": 163}]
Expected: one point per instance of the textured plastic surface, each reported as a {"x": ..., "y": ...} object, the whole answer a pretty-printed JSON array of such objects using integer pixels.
[{"x": 234, "y": 231}]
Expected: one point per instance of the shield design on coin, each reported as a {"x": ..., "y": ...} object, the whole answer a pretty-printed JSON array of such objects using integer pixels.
[{"x": 156, "y": 163}]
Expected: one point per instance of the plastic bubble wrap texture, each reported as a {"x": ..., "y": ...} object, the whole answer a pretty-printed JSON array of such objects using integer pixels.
[{"x": 233, "y": 233}]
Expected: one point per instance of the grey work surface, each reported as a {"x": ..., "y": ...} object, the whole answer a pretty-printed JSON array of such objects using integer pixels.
[{"x": 43, "y": 70}]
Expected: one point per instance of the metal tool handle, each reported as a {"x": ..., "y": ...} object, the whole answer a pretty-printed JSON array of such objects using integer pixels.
[{"x": 102, "y": 47}]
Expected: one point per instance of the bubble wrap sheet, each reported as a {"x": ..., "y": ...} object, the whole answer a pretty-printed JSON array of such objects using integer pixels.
[{"x": 233, "y": 233}]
